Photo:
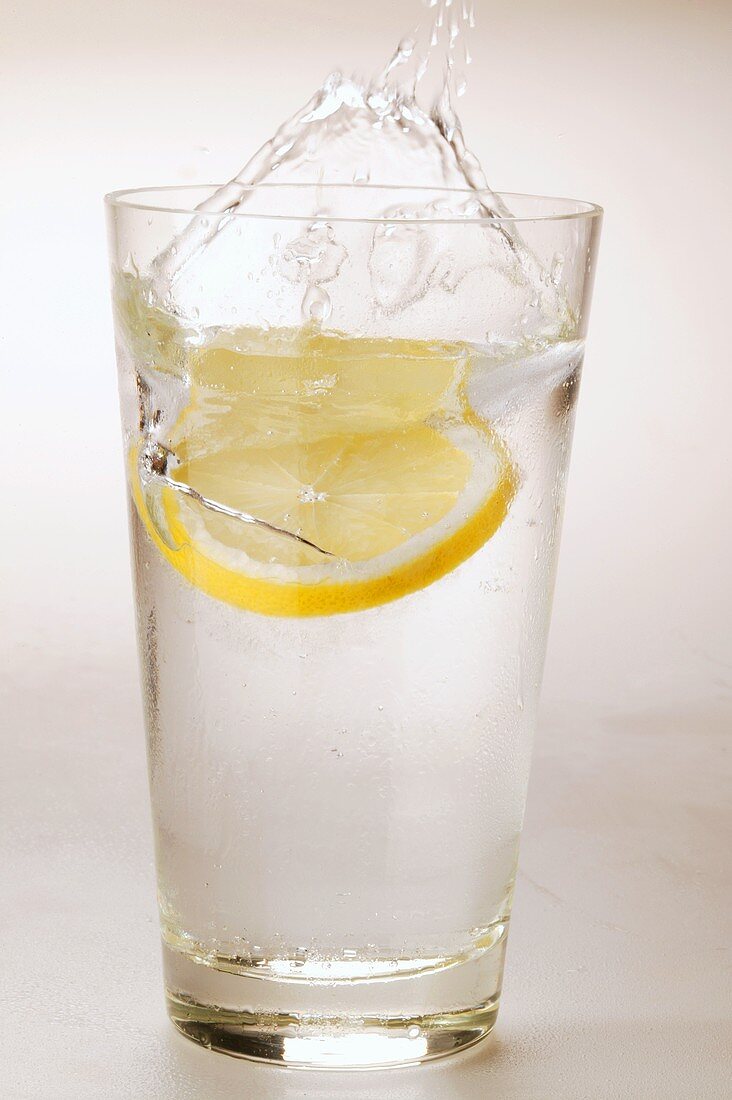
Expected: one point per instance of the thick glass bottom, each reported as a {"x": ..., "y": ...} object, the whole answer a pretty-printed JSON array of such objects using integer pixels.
[{"x": 343, "y": 1024}]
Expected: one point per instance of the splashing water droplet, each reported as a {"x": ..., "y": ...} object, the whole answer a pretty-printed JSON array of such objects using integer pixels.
[{"x": 316, "y": 305}]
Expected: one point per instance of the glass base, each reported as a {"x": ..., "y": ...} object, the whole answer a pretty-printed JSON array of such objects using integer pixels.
[
  {"x": 302, "y": 1042},
  {"x": 339, "y": 1024}
]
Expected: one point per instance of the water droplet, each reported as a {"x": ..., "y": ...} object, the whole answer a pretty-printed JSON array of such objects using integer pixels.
[
  {"x": 308, "y": 495},
  {"x": 316, "y": 305},
  {"x": 557, "y": 267},
  {"x": 413, "y": 1032}
]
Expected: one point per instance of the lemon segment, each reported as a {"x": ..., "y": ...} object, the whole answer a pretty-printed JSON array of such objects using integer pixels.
[{"x": 308, "y": 385}]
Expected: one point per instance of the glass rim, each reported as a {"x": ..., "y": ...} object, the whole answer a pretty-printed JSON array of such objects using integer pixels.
[{"x": 583, "y": 210}]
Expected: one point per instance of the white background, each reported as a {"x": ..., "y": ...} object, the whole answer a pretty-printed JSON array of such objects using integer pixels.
[{"x": 624, "y": 103}]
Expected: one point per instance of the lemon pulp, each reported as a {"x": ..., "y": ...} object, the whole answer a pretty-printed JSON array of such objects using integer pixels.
[{"x": 368, "y": 449}]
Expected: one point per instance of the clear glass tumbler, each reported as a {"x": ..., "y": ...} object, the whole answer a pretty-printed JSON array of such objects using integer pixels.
[{"x": 347, "y": 415}]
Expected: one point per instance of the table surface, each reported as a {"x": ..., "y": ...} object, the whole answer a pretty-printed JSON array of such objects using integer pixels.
[{"x": 616, "y": 980}]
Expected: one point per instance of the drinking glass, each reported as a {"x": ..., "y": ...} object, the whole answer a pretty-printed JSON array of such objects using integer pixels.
[{"x": 347, "y": 414}]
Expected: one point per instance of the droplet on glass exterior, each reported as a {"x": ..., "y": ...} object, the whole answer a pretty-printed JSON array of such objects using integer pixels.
[{"x": 555, "y": 273}]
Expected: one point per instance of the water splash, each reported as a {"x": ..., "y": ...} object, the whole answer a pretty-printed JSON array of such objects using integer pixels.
[{"x": 401, "y": 128}]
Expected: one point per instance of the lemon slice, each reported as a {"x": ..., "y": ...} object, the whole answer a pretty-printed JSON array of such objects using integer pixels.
[{"x": 387, "y": 469}]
